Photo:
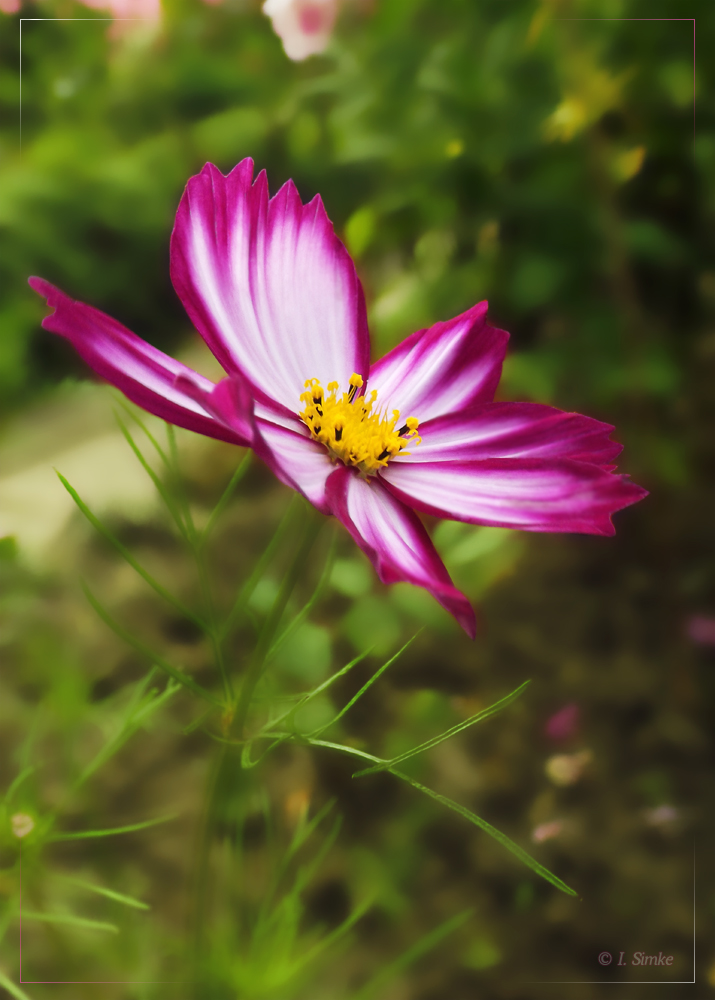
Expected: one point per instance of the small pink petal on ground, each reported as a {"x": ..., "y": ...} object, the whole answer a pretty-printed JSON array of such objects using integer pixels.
[
  {"x": 700, "y": 629},
  {"x": 661, "y": 816},
  {"x": 564, "y": 724},
  {"x": 22, "y": 824},
  {"x": 304, "y": 26},
  {"x": 547, "y": 831},
  {"x": 567, "y": 768}
]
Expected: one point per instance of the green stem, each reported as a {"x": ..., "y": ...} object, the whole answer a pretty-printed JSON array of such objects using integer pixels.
[
  {"x": 202, "y": 888},
  {"x": 270, "y": 627}
]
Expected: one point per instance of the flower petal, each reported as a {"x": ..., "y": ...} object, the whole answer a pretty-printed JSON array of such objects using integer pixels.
[
  {"x": 296, "y": 460},
  {"x": 395, "y": 540},
  {"x": 514, "y": 430},
  {"x": 446, "y": 368},
  {"x": 268, "y": 284},
  {"x": 145, "y": 375},
  {"x": 532, "y": 494}
]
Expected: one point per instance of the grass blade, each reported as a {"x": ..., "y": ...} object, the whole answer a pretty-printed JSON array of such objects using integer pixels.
[
  {"x": 304, "y": 699},
  {"x": 118, "y": 897},
  {"x": 251, "y": 583},
  {"x": 420, "y": 948},
  {"x": 140, "y": 708},
  {"x": 364, "y": 688},
  {"x": 12, "y": 989},
  {"x": 465, "y": 813},
  {"x": 312, "y": 601},
  {"x": 500, "y": 837},
  {"x": 236, "y": 478},
  {"x": 129, "y": 410},
  {"x": 128, "y": 557},
  {"x": 485, "y": 713},
  {"x": 159, "y": 486},
  {"x": 69, "y": 918},
  {"x": 176, "y": 674},
  {"x": 15, "y": 784},
  {"x": 85, "y": 834}
]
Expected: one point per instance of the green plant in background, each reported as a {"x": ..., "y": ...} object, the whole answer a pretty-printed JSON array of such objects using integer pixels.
[
  {"x": 466, "y": 151},
  {"x": 271, "y": 956}
]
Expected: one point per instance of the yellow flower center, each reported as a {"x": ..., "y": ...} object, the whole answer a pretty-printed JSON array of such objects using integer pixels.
[{"x": 352, "y": 428}]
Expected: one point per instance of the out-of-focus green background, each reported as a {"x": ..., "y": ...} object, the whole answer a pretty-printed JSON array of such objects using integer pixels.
[{"x": 555, "y": 157}]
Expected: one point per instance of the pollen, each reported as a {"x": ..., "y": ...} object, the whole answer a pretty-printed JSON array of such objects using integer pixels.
[{"x": 353, "y": 428}]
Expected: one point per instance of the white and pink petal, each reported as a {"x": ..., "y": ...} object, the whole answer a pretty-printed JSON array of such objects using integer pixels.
[
  {"x": 395, "y": 540},
  {"x": 530, "y": 494},
  {"x": 296, "y": 460},
  {"x": 148, "y": 377},
  {"x": 268, "y": 284},
  {"x": 514, "y": 430},
  {"x": 450, "y": 366}
]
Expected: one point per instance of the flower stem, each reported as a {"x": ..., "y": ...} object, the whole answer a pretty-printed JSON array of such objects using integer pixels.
[{"x": 270, "y": 626}]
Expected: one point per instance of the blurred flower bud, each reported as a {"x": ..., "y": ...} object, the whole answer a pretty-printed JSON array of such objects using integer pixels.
[
  {"x": 567, "y": 768},
  {"x": 564, "y": 724},
  {"x": 9, "y": 6},
  {"x": 304, "y": 26},
  {"x": 22, "y": 824},
  {"x": 547, "y": 831},
  {"x": 701, "y": 630},
  {"x": 662, "y": 816}
]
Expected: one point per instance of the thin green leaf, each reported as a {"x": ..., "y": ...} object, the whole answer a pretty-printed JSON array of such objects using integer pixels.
[
  {"x": 15, "y": 784},
  {"x": 69, "y": 918},
  {"x": 246, "y": 762},
  {"x": 175, "y": 469},
  {"x": 308, "y": 607},
  {"x": 192, "y": 726},
  {"x": 244, "y": 595},
  {"x": 500, "y": 837},
  {"x": 485, "y": 713},
  {"x": 420, "y": 948},
  {"x": 471, "y": 817},
  {"x": 128, "y": 557},
  {"x": 85, "y": 834},
  {"x": 236, "y": 478},
  {"x": 365, "y": 686},
  {"x": 118, "y": 897},
  {"x": 141, "y": 707},
  {"x": 306, "y": 828},
  {"x": 160, "y": 487},
  {"x": 178, "y": 675},
  {"x": 121, "y": 400},
  {"x": 304, "y": 699},
  {"x": 12, "y": 989},
  {"x": 330, "y": 939}
]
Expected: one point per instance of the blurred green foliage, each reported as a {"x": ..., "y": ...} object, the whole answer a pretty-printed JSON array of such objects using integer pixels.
[
  {"x": 539, "y": 154},
  {"x": 535, "y": 154}
]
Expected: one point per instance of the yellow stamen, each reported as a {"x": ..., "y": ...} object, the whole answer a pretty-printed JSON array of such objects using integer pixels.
[{"x": 352, "y": 428}]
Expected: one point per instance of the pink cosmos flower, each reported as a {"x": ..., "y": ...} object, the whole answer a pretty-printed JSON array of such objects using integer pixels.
[
  {"x": 304, "y": 26},
  {"x": 276, "y": 297},
  {"x": 128, "y": 14}
]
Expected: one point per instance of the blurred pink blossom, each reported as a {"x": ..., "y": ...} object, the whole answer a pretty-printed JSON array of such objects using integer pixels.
[
  {"x": 564, "y": 724},
  {"x": 547, "y": 831},
  {"x": 664, "y": 815},
  {"x": 701, "y": 629},
  {"x": 304, "y": 26},
  {"x": 139, "y": 10},
  {"x": 9, "y": 6}
]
